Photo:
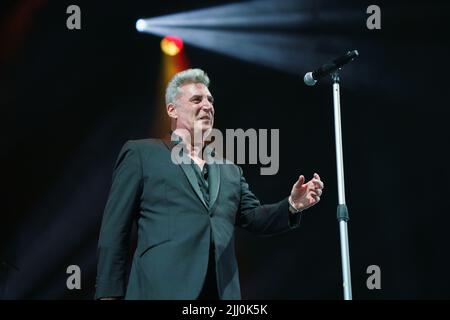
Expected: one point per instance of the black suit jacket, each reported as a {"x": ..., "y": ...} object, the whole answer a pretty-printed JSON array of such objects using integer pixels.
[{"x": 175, "y": 225}]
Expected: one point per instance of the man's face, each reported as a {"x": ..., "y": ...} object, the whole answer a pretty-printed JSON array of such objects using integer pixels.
[{"x": 194, "y": 108}]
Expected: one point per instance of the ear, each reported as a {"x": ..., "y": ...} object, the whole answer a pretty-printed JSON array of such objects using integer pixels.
[{"x": 172, "y": 111}]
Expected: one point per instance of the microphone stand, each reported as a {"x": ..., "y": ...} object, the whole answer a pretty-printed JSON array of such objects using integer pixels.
[{"x": 342, "y": 212}]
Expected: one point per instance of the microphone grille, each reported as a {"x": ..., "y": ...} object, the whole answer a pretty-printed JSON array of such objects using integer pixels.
[{"x": 309, "y": 80}]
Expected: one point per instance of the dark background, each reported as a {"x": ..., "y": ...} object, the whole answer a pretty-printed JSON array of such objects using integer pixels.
[{"x": 70, "y": 99}]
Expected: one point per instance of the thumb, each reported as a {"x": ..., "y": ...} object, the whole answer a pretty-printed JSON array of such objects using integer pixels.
[{"x": 300, "y": 181}]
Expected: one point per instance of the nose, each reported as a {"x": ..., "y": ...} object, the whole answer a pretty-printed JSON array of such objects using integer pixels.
[{"x": 207, "y": 106}]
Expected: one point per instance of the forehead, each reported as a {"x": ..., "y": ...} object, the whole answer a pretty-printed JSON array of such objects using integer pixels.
[{"x": 191, "y": 89}]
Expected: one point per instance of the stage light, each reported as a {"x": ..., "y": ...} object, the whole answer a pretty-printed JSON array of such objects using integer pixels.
[
  {"x": 265, "y": 32},
  {"x": 171, "y": 45},
  {"x": 286, "y": 35},
  {"x": 140, "y": 25}
]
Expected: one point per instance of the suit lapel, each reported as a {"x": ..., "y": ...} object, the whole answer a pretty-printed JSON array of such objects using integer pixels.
[
  {"x": 188, "y": 171},
  {"x": 214, "y": 177}
]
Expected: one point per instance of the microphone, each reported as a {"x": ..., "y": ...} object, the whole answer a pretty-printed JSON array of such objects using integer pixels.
[{"x": 311, "y": 78}]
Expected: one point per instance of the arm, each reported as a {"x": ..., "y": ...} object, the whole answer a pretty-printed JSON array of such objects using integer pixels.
[
  {"x": 267, "y": 219},
  {"x": 113, "y": 244}
]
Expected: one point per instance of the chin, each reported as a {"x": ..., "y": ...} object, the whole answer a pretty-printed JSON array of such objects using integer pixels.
[
  {"x": 207, "y": 131},
  {"x": 203, "y": 126}
]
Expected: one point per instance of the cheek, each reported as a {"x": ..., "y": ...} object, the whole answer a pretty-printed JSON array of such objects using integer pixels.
[
  {"x": 195, "y": 111},
  {"x": 188, "y": 114}
]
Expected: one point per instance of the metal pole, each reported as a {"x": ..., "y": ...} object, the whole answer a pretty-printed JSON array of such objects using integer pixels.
[{"x": 342, "y": 212}]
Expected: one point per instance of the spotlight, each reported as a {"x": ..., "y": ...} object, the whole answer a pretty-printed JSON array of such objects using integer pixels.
[
  {"x": 140, "y": 25},
  {"x": 171, "y": 45}
]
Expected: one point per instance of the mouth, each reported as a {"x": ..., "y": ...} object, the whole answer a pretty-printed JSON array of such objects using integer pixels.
[{"x": 205, "y": 118}]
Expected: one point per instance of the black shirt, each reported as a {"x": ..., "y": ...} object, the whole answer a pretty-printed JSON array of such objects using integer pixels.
[{"x": 202, "y": 179}]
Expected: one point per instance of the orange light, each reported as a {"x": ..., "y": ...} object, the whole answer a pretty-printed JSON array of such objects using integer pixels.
[{"x": 171, "y": 45}]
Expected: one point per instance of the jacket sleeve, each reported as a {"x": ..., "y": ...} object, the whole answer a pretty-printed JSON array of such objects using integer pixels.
[
  {"x": 114, "y": 239},
  {"x": 269, "y": 219}
]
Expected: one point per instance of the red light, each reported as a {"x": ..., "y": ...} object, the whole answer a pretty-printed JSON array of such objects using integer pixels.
[{"x": 171, "y": 45}]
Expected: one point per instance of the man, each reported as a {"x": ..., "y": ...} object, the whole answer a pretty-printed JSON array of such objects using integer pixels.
[{"x": 185, "y": 211}]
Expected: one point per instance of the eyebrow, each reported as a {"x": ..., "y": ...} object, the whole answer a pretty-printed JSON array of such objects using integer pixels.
[{"x": 198, "y": 96}]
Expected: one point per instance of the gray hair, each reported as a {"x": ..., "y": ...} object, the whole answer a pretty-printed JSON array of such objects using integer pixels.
[{"x": 183, "y": 77}]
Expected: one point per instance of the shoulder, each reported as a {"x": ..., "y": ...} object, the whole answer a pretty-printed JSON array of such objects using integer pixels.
[
  {"x": 143, "y": 145},
  {"x": 140, "y": 148}
]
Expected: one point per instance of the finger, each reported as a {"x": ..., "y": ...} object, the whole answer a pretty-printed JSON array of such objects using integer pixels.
[
  {"x": 300, "y": 181},
  {"x": 316, "y": 192},
  {"x": 317, "y": 177},
  {"x": 318, "y": 183},
  {"x": 316, "y": 197}
]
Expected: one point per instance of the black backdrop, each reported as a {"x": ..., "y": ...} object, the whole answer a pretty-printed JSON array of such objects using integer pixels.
[{"x": 70, "y": 99}]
